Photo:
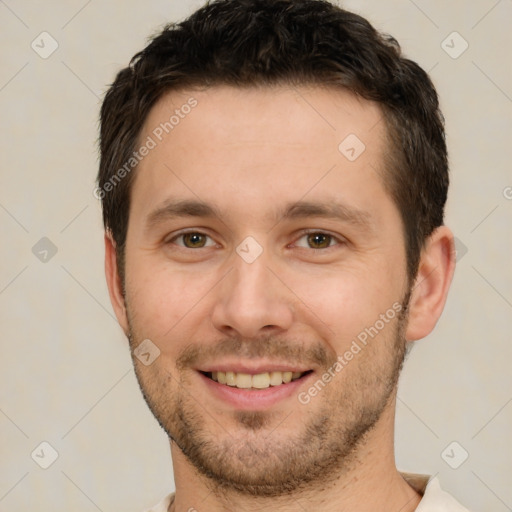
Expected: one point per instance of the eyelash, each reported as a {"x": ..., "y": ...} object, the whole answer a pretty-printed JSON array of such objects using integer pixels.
[
  {"x": 336, "y": 239},
  {"x": 184, "y": 233}
]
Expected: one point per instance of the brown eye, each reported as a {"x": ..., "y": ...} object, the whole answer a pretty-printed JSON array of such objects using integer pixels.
[
  {"x": 319, "y": 240},
  {"x": 193, "y": 240}
]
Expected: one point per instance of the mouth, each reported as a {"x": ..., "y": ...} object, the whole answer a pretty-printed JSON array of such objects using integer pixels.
[
  {"x": 253, "y": 387},
  {"x": 257, "y": 381}
]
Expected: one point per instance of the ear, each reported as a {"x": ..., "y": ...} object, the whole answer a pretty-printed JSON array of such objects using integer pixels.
[
  {"x": 435, "y": 273},
  {"x": 115, "y": 287}
]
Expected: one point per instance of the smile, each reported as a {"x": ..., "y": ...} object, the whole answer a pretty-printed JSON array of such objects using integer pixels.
[{"x": 257, "y": 381}]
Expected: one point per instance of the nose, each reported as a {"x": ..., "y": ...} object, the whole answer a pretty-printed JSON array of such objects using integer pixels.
[{"x": 252, "y": 301}]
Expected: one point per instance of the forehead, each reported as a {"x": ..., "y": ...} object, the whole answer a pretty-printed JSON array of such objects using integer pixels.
[
  {"x": 266, "y": 144},
  {"x": 310, "y": 113}
]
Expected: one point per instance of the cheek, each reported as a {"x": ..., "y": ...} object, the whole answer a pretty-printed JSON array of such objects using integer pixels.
[
  {"x": 164, "y": 300},
  {"x": 345, "y": 301}
]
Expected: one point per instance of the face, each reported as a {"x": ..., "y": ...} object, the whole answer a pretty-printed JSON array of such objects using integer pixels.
[{"x": 259, "y": 250}]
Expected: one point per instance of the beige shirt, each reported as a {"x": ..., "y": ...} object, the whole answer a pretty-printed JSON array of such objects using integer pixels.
[{"x": 434, "y": 498}]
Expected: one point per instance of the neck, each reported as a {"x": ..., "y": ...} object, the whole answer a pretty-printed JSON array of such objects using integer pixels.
[{"x": 371, "y": 483}]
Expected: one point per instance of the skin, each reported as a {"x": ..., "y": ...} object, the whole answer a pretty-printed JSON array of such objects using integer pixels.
[{"x": 251, "y": 153}]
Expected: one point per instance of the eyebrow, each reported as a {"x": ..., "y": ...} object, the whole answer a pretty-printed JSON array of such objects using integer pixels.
[
  {"x": 360, "y": 219},
  {"x": 179, "y": 208},
  {"x": 298, "y": 210}
]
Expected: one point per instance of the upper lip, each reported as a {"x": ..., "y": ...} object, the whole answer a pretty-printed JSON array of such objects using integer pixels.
[{"x": 252, "y": 368}]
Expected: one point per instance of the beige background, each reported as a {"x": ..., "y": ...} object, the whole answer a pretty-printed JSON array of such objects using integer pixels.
[{"x": 65, "y": 368}]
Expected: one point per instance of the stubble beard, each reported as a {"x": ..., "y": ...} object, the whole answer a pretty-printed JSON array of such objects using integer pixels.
[{"x": 257, "y": 453}]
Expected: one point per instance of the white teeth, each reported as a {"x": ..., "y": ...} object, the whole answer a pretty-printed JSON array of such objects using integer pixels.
[
  {"x": 259, "y": 381},
  {"x": 276, "y": 378},
  {"x": 230, "y": 378},
  {"x": 243, "y": 380}
]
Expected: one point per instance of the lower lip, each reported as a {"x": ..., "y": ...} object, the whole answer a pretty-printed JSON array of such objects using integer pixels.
[{"x": 253, "y": 399}]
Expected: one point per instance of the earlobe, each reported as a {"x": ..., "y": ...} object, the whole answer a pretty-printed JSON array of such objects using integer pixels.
[
  {"x": 435, "y": 273},
  {"x": 114, "y": 284}
]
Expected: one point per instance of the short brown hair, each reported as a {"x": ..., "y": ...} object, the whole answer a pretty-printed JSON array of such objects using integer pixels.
[{"x": 271, "y": 42}]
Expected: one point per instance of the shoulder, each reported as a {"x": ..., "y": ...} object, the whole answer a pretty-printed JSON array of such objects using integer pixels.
[
  {"x": 434, "y": 498},
  {"x": 163, "y": 505},
  {"x": 437, "y": 500}
]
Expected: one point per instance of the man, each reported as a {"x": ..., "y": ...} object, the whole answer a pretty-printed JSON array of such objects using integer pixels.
[{"x": 273, "y": 177}]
